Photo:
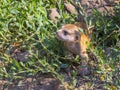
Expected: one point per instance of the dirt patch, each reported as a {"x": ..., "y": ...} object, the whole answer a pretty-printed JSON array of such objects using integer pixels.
[
  {"x": 103, "y": 6},
  {"x": 43, "y": 82},
  {"x": 46, "y": 82}
]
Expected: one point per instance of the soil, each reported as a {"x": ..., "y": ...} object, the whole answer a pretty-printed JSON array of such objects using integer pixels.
[
  {"x": 103, "y": 6},
  {"x": 43, "y": 82},
  {"x": 46, "y": 82}
]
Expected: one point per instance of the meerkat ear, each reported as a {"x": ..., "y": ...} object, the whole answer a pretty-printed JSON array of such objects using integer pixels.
[{"x": 77, "y": 35}]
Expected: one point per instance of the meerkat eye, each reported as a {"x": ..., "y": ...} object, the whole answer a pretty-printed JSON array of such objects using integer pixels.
[{"x": 65, "y": 32}]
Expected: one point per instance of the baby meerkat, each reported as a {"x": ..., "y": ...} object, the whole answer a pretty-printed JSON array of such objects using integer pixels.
[{"x": 75, "y": 42}]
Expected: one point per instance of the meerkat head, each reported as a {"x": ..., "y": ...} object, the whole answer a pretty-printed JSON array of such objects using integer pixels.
[{"x": 68, "y": 33}]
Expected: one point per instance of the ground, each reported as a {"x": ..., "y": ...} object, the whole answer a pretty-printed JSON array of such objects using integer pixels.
[{"x": 46, "y": 82}]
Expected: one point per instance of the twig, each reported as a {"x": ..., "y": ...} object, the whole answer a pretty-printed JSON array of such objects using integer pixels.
[{"x": 107, "y": 37}]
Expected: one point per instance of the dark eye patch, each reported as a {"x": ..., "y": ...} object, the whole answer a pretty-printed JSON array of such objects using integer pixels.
[{"x": 65, "y": 32}]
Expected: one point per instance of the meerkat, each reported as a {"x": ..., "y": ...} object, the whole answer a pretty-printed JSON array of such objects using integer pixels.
[{"x": 75, "y": 42}]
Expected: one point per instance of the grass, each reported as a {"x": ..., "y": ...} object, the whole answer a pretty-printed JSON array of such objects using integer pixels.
[{"x": 25, "y": 26}]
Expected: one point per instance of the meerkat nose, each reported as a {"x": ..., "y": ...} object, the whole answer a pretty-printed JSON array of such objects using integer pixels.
[{"x": 58, "y": 31}]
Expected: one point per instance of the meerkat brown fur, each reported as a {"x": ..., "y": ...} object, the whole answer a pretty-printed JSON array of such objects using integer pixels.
[{"x": 75, "y": 42}]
